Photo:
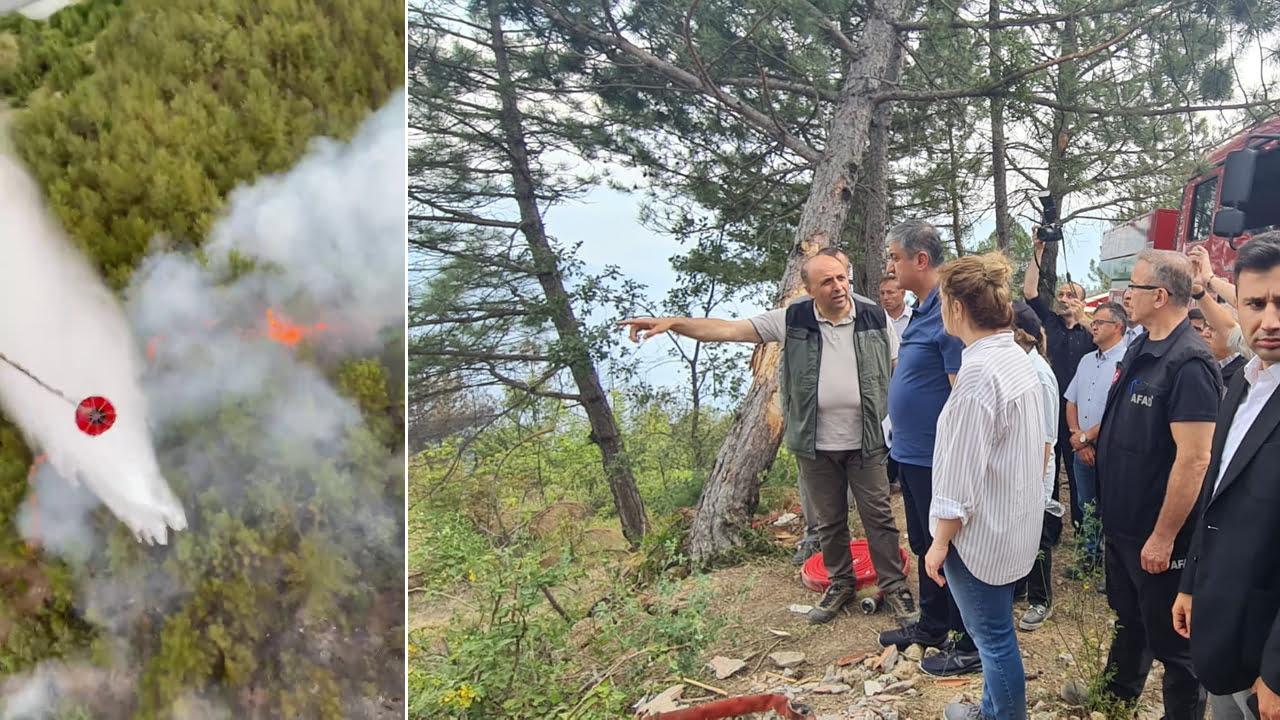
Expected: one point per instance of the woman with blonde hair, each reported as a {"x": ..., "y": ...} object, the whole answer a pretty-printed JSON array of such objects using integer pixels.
[{"x": 987, "y": 502}]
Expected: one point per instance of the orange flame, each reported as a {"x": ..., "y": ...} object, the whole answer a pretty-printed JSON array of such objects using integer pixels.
[
  {"x": 286, "y": 333},
  {"x": 278, "y": 328}
]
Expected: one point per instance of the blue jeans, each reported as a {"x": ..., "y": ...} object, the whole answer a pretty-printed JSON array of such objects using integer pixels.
[
  {"x": 1087, "y": 494},
  {"x": 988, "y": 614}
]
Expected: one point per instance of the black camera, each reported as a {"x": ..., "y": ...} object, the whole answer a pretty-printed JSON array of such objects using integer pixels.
[{"x": 1049, "y": 230}]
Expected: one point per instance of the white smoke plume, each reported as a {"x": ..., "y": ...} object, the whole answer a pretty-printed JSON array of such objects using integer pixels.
[
  {"x": 327, "y": 242},
  {"x": 62, "y": 324}
]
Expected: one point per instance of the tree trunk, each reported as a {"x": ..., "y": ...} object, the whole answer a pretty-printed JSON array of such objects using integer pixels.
[
  {"x": 695, "y": 396},
  {"x": 1057, "y": 170},
  {"x": 732, "y": 490},
  {"x": 999, "y": 169},
  {"x": 953, "y": 192},
  {"x": 604, "y": 427},
  {"x": 875, "y": 203}
]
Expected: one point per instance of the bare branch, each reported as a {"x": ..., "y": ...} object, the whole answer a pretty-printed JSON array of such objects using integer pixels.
[
  {"x": 686, "y": 79},
  {"x": 453, "y": 216},
  {"x": 781, "y": 85},
  {"x": 1005, "y": 82},
  {"x": 476, "y": 355},
  {"x": 833, "y": 31}
]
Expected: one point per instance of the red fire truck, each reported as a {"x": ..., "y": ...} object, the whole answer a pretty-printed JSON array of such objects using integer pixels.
[{"x": 1240, "y": 188}]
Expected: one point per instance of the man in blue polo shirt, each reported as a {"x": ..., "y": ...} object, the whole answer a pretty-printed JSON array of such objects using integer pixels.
[{"x": 928, "y": 360}]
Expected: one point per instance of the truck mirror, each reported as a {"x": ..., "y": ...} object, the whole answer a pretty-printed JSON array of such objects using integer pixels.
[
  {"x": 1228, "y": 222},
  {"x": 1237, "y": 179}
]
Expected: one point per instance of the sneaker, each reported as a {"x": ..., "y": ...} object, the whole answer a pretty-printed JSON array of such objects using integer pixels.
[
  {"x": 903, "y": 605},
  {"x": 1034, "y": 617},
  {"x": 836, "y": 597},
  {"x": 951, "y": 662},
  {"x": 805, "y": 550},
  {"x": 905, "y": 637},
  {"x": 962, "y": 711}
]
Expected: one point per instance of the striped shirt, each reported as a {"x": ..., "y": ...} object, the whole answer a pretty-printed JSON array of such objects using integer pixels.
[
  {"x": 987, "y": 461},
  {"x": 1049, "y": 406}
]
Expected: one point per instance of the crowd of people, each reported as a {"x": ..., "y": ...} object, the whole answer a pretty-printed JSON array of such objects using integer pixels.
[{"x": 1157, "y": 410}]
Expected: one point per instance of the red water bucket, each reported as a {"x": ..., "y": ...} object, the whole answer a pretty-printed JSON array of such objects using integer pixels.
[{"x": 814, "y": 573}]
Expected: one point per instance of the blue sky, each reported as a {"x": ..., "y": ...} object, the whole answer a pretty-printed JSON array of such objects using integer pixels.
[{"x": 607, "y": 223}]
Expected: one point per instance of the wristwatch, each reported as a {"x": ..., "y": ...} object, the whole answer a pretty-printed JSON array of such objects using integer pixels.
[{"x": 1084, "y": 438}]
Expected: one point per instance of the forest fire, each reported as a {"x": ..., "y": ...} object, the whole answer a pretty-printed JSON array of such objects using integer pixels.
[
  {"x": 286, "y": 333},
  {"x": 279, "y": 328}
]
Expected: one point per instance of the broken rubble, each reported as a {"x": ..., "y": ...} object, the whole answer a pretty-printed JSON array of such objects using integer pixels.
[
  {"x": 899, "y": 687},
  {"x": 889, "y": 659},
  {"x": 787, "y": 658},
  {"x": 1075, "y": 692},
  {"x": 800, "y": 609},
  {"x": 872, "y": 687},
  {"x": 666, "y": 701},
  {"x": 832, "y": 689},
  {"x": 723, "y": 666},
  {"x": 915, "y": 653}
]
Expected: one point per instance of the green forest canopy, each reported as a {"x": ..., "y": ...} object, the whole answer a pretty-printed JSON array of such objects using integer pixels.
[{"x": 138, "y": 119}]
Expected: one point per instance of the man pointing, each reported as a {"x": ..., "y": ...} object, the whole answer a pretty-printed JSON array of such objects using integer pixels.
[{"x": 837, "y": 357}]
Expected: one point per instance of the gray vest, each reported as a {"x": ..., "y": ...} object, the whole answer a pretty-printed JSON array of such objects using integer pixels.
[{"x": 801, "y": 360}]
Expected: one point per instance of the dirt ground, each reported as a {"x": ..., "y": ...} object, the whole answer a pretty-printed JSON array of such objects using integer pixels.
[
  {"x": 757, "y": 596},
  {"x": 760, "y": 596}
]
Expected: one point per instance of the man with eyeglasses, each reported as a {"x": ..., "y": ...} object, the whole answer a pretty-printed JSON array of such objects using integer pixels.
[
  {"x": 1152, "y": 454},
  {"x": 1086, "y": 398}
]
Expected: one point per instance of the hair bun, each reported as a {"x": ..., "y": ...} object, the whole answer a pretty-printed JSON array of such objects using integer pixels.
[{"x": 996, "y": 268}]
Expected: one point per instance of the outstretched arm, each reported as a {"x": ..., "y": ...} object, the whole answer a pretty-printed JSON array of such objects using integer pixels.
[
  {"x": 1031, "y": 280},
  {"x": 700, "y": 329}
]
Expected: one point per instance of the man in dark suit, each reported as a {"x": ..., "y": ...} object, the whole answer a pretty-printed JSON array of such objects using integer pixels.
[{"x": 1232, "y": 575}]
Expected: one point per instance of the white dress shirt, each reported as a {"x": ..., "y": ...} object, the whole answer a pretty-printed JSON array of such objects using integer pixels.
[
  {"x": 1260, "y": 385},
  {"x": 900, "y": 323},
  {"x": 988, "y": 459}
]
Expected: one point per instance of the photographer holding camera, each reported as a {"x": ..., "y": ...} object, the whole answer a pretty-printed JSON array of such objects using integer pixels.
[{"x": 1069, "y": 340}]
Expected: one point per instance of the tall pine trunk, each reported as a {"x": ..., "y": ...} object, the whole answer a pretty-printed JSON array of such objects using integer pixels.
[
  {"x": 874, "y": 202},
  {"x": 732, "y": 490},
  {"x": 604, "y": 426},
  {"x": 1057, "y": 172},
  {"x": 999, "y": 168},
  {"x": 954, "y": 201}
]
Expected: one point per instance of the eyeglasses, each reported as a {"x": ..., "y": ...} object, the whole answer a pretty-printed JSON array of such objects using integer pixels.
[
  {"x": 1146, "y": 287},
  {"x": 1095, "y": 323}
]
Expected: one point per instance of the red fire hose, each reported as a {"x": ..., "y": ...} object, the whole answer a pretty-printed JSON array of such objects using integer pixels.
[{"x": 739, "y": 706}]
